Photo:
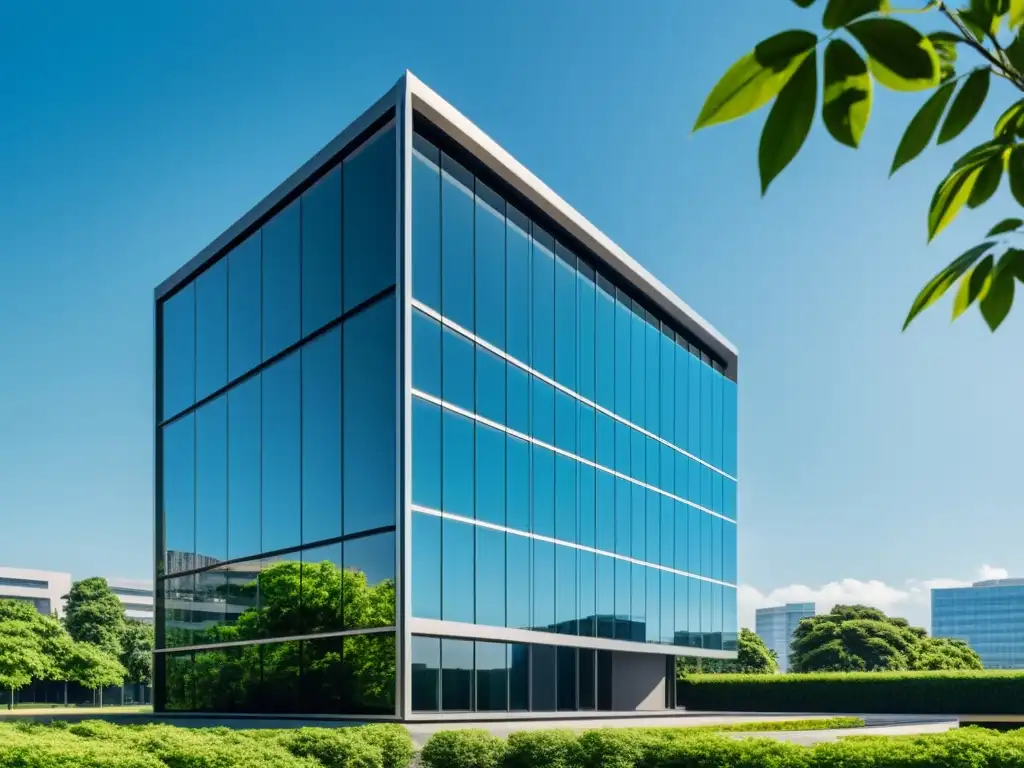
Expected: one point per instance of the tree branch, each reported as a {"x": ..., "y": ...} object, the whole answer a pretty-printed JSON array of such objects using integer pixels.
[{"x": 999, "y": 64}]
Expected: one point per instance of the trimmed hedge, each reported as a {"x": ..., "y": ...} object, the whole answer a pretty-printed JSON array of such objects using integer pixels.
[
  {"x": 96, "y": 744},
  {"x": 820, "y": 724},
  {"x": 894, "y": 693},
  {"x": 696, "y": 748}
]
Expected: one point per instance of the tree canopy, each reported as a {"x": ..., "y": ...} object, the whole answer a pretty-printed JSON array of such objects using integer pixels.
[
  {"x": 867, "y": 42},
  {"x": 94, "y": 614},
  {"x": 753, "y": 657},
  {"x": 856, "y": 638}
]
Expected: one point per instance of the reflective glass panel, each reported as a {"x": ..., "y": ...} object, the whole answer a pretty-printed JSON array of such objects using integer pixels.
[
  {"x": 638, "y": 368},
  {"x": 565, "y": 422},
  {"x": 586, "y": 367},
  {"x": 212, "y": 481},
  {"x": 668, "y": 607},
  {"x": 639, "y": 603},
  {"x": 457, "y": 570},
  {"x": 517, "y": 583},
  {"x": 623, "y": 595},
  {"x": 456, "y": 675},
  {"x": 457, "y": 464},
  {"x": 179, "y": 494},
  {"x": 457, "y": 243},
  {"x": 322, "y": 577},
  {"x": 369, "y": 674},
  {"x": 668, "y": 389},
  {"x": 567, "y": 679},
  {"x": 588, "y": 594},
  {"x": 244, "y": 421},
  {"x": 543, "y": 410},
  {"x": 490, "y": 577},
  {"x": 605, "y": 349},
  {"x": 490, "y": 266},
  {"x": 369, "y": 581},
  {"x": 321, "y": 252},
  {"x": 653, "y": 612},
  {"x": 426, "y": 674},
  {"x": 282, "y": 677},
  {"x": 518, "y": 403},
  {"x": 212, "y": 329},
  {"x": 586, "y": 445},
  {"x": 729, "y": 553},
  {"x": 518, "y": 483},
  {"x": 178, "y": 347},
  {"x": 370, "y": 221},
  {"x": 729, "y": 427},
  {"x": 426, "y": 224},
  {"x": 543, "y": 327},
  {"x": 179, "y": 681},
  {"x": 281, "y": 282},
  {"x": 281, "y": 460},
  {"x": 490, "y": 474},
  {"x": 426, "y": 454},
  {"x": 457, "y": 377},
  {"x": 543, "y": 586},
  {"x": 565, "y": 318},
  {"x": 490, "y": 385},
  {"x": 605, "y": 597},
  {"x": 544, "y": 678},
  {"x": 491, "y": 677},
  {"x": 518, "y": 285},
  {"x": 518, "y": 677},
  {"x": 588, "y": 679},
  {"x": 426, "y": 354},
  {"x": 565, "y": 499},
  {"x": 623, "y": 516},
  {"x": 245, "y": 288},
  {"x": 321, "y": 437},
  {"x": 543, "y": 491},
  {"x": 605, "y": 511},
  {"x": 587, "y": 505},
  {"x": 179, "y": 597},
  {"x": 694, "y": 612},
  {"x": 565, "y": 591},
  {"x": 323, "y": 673},
  {"x": 426, "y": 566},
  {"x": 623, "y": 365}
]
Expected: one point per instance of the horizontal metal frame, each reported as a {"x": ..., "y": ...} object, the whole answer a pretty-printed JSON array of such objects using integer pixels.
[
  {"x": 275, "y": 640},
  {"x": 487, "y": 151},
  {"x": 440, "y": 628},
  {"x": 553, "y": 716}
]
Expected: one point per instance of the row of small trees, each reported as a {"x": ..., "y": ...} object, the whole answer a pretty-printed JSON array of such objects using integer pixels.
[
  {"x": 95, "y": 645},
  {"x": 849, "y": 638}
]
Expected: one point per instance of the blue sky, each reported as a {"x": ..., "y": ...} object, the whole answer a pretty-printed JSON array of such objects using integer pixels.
[{"x": 133, "y": 134}]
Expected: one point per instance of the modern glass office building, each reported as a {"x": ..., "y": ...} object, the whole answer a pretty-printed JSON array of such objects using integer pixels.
[
  {"x": 988, "y": 616},
  {"x": 429, "y": 445},
  {"x": 775, "y": 626}
]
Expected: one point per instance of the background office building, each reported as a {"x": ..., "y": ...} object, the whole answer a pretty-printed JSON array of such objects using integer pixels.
[
  {"x": 43, "y": 589},
  {"x": 988, "y": 616},
  {"x": 431, "y": 445},
  {"x": 776, "y": 625}
]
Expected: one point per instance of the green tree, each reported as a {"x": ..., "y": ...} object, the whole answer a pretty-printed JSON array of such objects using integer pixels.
[
  {"x": 753, "y": 657},
  {"x": 946, "y": 653},
  {"x": 92, "y": 667},
  {"x": 867, "y": 42},
  {"x": 137, "y": 651},
  {"x": 94, "y": 614},
  {"x": 21, "y": 656}
]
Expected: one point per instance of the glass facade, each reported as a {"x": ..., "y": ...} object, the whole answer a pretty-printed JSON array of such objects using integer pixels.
[
  {"x": 776, "y": 625},
  {"x": 988, "y": 616},
  {"x": 568, "y": 448},
  {"x": 278, "y": 455}
]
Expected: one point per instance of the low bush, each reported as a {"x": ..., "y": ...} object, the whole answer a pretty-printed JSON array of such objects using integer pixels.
[
  {"x": 908, "y": 693},
  {"x": 820, "y": 724},
  {"x": 551, "y": 749},
  {"x": 463, "y": 749},
  {"x": 333, "y": 748},
  {"x": 393, "y": 740}
]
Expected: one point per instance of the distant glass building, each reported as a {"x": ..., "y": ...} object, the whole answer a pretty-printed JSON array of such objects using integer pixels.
[
  {"x": 988, "y": 616},
  {"x": 775, "y": 626},
  {"x": 428, "y": 442}
]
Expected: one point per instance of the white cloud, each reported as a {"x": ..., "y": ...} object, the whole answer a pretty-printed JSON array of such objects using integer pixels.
[{"x": 911, "y": 600}]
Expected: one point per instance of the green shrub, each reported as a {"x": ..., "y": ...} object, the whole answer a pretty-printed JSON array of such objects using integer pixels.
[
  {"x": 45, "y": 748},
  {"x": 334, "y": 748},
  {"x": 393, "y": 740},
  {"x": 550, "y": 749},
  {"x": 919, "y": 693},
  {"x": 821, "y": 724},
  {"x": 463, "y": 749},
  {"x": 610, "y": 748}
]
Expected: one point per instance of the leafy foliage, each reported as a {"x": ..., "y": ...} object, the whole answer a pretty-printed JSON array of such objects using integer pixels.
[
  {"x": 867, "y": 44},
  {"x": 137, "y": 643},
  {"x": 94, "y": 614},
  {"x": 753, "y": 657}
]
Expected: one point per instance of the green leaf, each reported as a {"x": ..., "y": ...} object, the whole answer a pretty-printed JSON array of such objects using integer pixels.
[
  {"x": 839, "y": 13},
  {"x": 998, "y": 299},
  {"x": 804, "y": 3},
  {"x": 922, "y": 127},
  {"x": 756, "y": 78},
  {"x": 987, "y": 183},
  {"x": 973, "y": 286},
  {"x": 789, "y": 122},
  {"x": 846, "y": 106},
  {"x": 997, "y": 7},
  {"x": 966, "y": 105},
  {"x": 1013, "y": 262},
  {"x": 938, "y": 285},
  {"x": 983, "y": 152},
  {"x": 1016, "y": 13},
  {"x": 1015, "y": 53},
  {"x": 1015, "y": 169},
  {"x": 1010, "y": 121},
  {"x": 950, "y": 197},
  {"x": 978, "y": 22},
  {"x": 945, "y": 44},
  {"x": 900, "y": 57},
  {"x": 1006, "y": 225}
]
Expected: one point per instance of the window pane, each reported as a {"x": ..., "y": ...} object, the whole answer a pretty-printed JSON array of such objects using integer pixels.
[
  {"x": 518, "y": 483},
  {"x": 729, "y": 553},
  {"x": 565, "y": 591},
  {"x": 588, "y": 678},
  {"x": 491, "y": 677},
  {"x": 490, "y": 474},
  {"x": 321, "y": 437},
  {"x": 668, "y": 607},
  {"x": 682, "y": 406},
  {"x": 588, "y": 594},
  {"x": 667, "y": 460},
  {"x": 652, "y": 551},
  {"x": 518, "y": 677},
  {"x": 623, "y": 369},
  {"x": 518, "y": 405},
  {"x": 543, "y": 491},
  {"x": 729, "y": 619},
  {"x": 369, "y": 581},
  {"x": 543, "y": 327},
  {"x": 667, "y": 536},
  {"x": 605, "y": 441},
  {"x": 490, "y": 385},
  {"x": 426, "y": 224},
  {"x": 606, "y": 597},
  {"x": 716, "y": 546},
  {"x": 682, "y": 547},
  {"x": 623, "y": 447},
  {"x": 282, "y": 677},
  {"x": 323, "y": 672},
  {"x": 623, "y": 596},
  {"x": 623, "y": 516},
  {"x": 567, "y": 679},
  {"x": 370, "y": 384},
  {"x": 605, "y": 512},
  {"x": 668, "y": 389},
  {"x": 456, "y": 675},
  {"x": 244, "y": 315},
  {"x": 426, "y": 566},
  {"x": 457, "y": 602},
  {"x": 639, "y": 602},
  {"x": 212, "y": 481},
  {"x": 456, "y": 243},
  {"x": 179, "y": 679},
  {"x": 490, "y": 577},
  {"x": 693, "y": 405},
  {"x": 565, "y": 422},
  {"x": 544, "y": 678},
  {"x": 208, "y": 608},
  {"x": 518, "y": 286},
  {"x": 426, "y": 674},
  {"x": 543, "y": 410},
  {"x": 707, "y": 559},
  {"x": 586, "y": 446},
  {"x": 321, "y": 252},
  {"x": 322, "y": 576},
  {"x": 543, "y": 586},
  {"x": 280, "y": 595},
  {"x": 490, "y": 266},
  {"x": 706, "y": 412},
  {"x": 457, "y": 376},
  {"x": 426, "y": 454},
  {"x": 729, "y": 427},
  {"x": 243, "y": 604},
  {"x": 653, "y": 378},
  {"x": 605, "y": 354},
  {"x": 653, "y": 613},
  {"x": 179, "y": 494},
  {"x": 457, "y": 464},
  {"x": 517, "y": 583},
  {"x": 638, "y": 456},
  {"x": 281, "y": 282},
  {"x": 179, "y": 597},
  {"x": 682, "y": 620},
  {"x": 638, "y": 368},
  {"x": 244, "y": 469},
  {"x": 281, "y": 455},
  {"x": 729, "y": 499},
  {"x": 370, "y": 197},
  {"x": 369, "y": 669},
  {"x": 565, "y": 499},
  {"x": 212, "y": 329},
  {"x": 586, "y": 319},
  {"x": 587, "y": 505},
  {"x": 694, "y": 564},
  {"x": 178, "y": 318},
  {"x": 426, "y": 354},
  {"x": 565, "y": 318},
  {"x": 717, "y": 418},
  {"x": 694, "y": 620},
  {"x": 706, "y": 615}
]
